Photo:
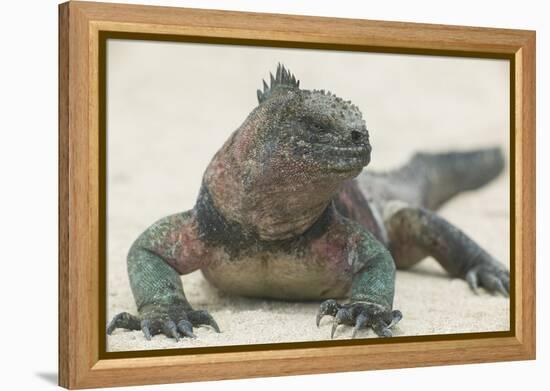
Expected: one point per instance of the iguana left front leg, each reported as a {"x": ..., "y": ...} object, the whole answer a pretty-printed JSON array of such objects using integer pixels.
[{"x": 372, "y": 289}]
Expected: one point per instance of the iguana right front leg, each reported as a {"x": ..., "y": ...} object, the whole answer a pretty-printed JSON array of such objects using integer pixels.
[{"x": 167, "y": 249}]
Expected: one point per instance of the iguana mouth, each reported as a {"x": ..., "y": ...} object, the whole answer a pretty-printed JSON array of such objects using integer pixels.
[{"x": 343, "y": 159}]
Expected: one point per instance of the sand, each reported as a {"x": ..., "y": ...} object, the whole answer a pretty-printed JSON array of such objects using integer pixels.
[{"x": 170, "y": 108}]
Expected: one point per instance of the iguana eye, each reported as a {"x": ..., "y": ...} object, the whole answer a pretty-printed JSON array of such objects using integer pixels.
[
  {"x": 319, "y": 127},
  {"x": 356, "y": 136}
]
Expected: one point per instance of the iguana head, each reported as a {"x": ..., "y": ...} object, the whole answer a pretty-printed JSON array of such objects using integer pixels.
[
  {"x": 313, "y": 129},
  {"x": 286, "y": 161}
]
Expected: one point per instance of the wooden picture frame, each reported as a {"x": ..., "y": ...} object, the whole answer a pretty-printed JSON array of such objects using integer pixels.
[{"x": 83, "y": 29}]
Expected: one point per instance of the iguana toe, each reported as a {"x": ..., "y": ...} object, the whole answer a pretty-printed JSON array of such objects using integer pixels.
[
  {"x": 491, "y": 276},
  {"x": 202, "y": 317},
  {"x": 146, "y": 329},
  {"x": 186, "y": 328},
  {"x": 170, "y": 329},
  {"x": 327, "y": 307},
  {"x": 123, "y": 320}
]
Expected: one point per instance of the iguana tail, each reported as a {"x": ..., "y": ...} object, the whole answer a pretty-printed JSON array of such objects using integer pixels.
[{"x": 441, "y": 176}]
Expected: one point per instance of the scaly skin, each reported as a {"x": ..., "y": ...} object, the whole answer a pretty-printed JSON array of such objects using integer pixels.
[{"x": 265, "y": 224}]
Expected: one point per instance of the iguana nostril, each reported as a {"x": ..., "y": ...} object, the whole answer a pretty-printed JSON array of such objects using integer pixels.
[{"x": 356, "y": 136}]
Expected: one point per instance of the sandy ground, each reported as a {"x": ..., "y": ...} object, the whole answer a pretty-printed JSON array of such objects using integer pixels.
[{"x": 170, "y": 106}]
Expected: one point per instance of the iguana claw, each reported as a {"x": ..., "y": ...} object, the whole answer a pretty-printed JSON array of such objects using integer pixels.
[
  {"x": 145, "y": 328},
  {"x": 174, "y": 322},
  {"x": 360, "y": 322},
  {"x": 186, "y": 328},
  {"x": 170, "y": 329},
  {"x": 360, "y": 315},
  {"x": 201, "y": 317},
  {"x": 328, "y": 307}
]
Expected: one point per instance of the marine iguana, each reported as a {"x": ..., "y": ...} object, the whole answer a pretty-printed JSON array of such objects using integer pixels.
[{"x": 286, "y": 211}]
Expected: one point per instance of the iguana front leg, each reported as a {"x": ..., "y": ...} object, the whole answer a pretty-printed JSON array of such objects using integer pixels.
[
  {"x": 167, "y": 249},
  {"x": 372, "y": 289}
]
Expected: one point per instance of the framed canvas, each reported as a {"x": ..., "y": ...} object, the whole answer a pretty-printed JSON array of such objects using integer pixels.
[{"x": 176, "y": 159}]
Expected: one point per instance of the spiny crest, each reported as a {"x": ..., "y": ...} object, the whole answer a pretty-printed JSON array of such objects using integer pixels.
[{"x": 283, "y": 79}]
